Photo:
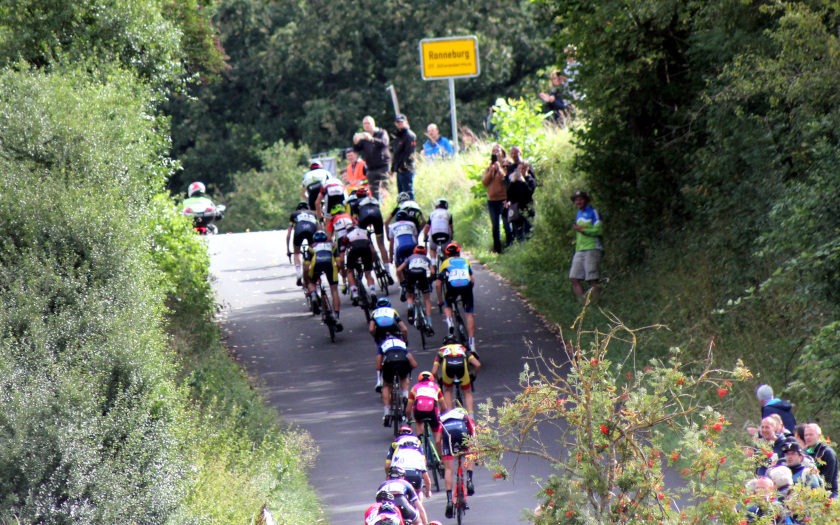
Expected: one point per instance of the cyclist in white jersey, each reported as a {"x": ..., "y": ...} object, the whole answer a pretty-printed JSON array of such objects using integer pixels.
[
  {"x": 438, "y": 233},
  {"x": 313, "y": 180}
]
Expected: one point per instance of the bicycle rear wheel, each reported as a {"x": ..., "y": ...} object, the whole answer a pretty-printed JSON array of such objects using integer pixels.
[
  {"x": 420, "y": 319},
  {"x": 327, "y": 315},
  {"x": 460, "y": 495},
  {"x": 432, "y": 461},
  {"x": 396, "y": 405},
  {"x": 460, "y": 327},
  {"x": 381, "y": 276}
]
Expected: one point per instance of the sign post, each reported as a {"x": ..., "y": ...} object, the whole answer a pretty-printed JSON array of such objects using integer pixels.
[{"x": 450, "y": 58}]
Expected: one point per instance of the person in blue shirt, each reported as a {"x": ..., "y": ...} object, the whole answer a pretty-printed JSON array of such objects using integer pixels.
[{"x": 436, "y": 147}]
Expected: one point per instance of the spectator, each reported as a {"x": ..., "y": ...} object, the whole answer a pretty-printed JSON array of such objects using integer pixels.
[
  {"x": 468, "y": 138},
  {"x": 560, "y": 111},
  {"x": 356, "y": 173},
  {"x": 519, "y": 203},
  {"x": 373, "y": 143},
  {"x": 774, "y": 405},
  {"x": 404, "y": 146},
  {"x": 586, "y": 263},
  {"x": 824, "y": 457},
  {"x": 802, "y": 467},
  {"x": 799, "y": 435},
  {"x": 763, "y": 502},
  {"x": 768, "y": 446},
  {"x": 494, "y": 179},
  {"x": 436, "y": 146}
]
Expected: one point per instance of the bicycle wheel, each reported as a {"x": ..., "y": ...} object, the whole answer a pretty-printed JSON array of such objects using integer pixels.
[
  {"x": 420, "y": 319},
  {"x": 327, "y": 313},
  {"x": 381, "y": 276},
  {"x": 459, "y": 395},
  {"x": 432, "y": 461},
  {"x": 460, "y": 327},
  {"x": 396, "y": 406},
  {"x": 364, "y": 297},
  {"x": 460, "y": 494}
]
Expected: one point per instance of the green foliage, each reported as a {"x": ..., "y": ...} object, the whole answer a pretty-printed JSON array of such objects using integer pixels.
[
  {"x": 264, "y": 198},
  {"x": 519, "y": 123},
  {"x": 307, "y": 73}
]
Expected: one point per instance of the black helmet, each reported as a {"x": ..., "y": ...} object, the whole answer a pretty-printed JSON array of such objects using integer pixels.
[
  {"x": 383, "y": 496},
  {"x": 319, "y": 237},
  {"x": 396, "y": 472},
  {"x": 302, "y": 205},
  {"x": 450, "y": 340},
  {"x": 402, "y": 215}
]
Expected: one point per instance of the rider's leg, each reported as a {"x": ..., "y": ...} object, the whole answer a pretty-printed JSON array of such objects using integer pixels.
[{"x": 468, "y": 397}]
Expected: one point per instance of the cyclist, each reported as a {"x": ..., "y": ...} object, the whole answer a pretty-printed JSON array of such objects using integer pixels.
[
  {"x": 407, "y": 204},
  {"x": 457, "y": 276},
  {"x": 321, "y": 259},
  {"x": 405, "y": 497},
  {"x": 393, "y": 359},
  {"x": 403, "y": 235},
  {"x": 454, "y": 360},
  {"x": 441, "y": 232},
  {"x": 313, "y": 180},
  {"x": 304, "y": 224},
  {"x": 332, "y": 194},
  {"x": 338, "y": 225},
  {"x": 458, "y": 427},
  {"x": 370, "y": 216},
  {"x": 360, "y": 252},
  {"x": 383, "y": 510},
  {"x": 411, "y": 459},
  {"x": 198, "y": 206},
  {"x": 424, "y": 403},
  {"x": 385, "y": 321},
  {"x": 417, "y": 270},
  {"x": 405, "y": 433}
]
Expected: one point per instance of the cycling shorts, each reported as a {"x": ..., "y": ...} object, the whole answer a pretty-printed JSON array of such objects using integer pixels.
[
  {"x": 312, "y": 192},
  {"x": 432, "y": 416},
  {"x": 455, "y": 367},
  {"x": 454, "y": 440},
  {"x": 466, "y": 294},
  {"x": 395, "y": 363},
  {"x": 418, "y": 278},
  {"x": 331, "y": 202},
  {"x": 303, "y": 231},
  {"x": 415, "y": 477},
  {"x": 370, "y": 215},
  {"x": 409, "y": 513},
  {"x": 403, "y": 252},
  {"x": 356, "y": 253},
  {"x": 328, "y": 268},
  {"x": 440, "y": 240}
]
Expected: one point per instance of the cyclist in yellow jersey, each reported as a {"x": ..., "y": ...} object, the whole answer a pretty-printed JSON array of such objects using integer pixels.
[
  {"x": 457, "y": 276},
  {"x": 455, "y": 361}
]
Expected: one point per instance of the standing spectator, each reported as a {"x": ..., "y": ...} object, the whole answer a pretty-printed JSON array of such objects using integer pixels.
[
  {"x": 403, "y": 165},
  {"x": 494, "y": 179},
  {"x": 518, "y": 205},
  {"x": 373, "y": 143},
  {"x": 436, "y": 147},
  {"x": 823, "y": 455},
  {"x": 768, "y": 447},
  {"x": 554, "y": 99},
  {"x": 774, "y": 405},
  {"x": 586, "y": 263},
  {"x": 356, "y": 173},
  {"x": 800, "y": 465}
]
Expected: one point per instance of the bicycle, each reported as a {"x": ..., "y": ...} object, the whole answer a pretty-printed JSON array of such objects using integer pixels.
[
  {"x": 397, "y": 407},
  {"x": 433, "y": 462},
  {"x": 364, "y": 300},
  {"x": 458, "y": 321},
  {"x": 326, "y": 307},
  {"x": 422, "y": 323},
  {"x": 459, "y": 495},
  {"x": 383, "y": 278}
]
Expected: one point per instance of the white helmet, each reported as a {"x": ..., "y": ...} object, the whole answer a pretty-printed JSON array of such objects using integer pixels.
[
  {"x": 196, "y": 187},
  {"x": 410, "y": 442}
]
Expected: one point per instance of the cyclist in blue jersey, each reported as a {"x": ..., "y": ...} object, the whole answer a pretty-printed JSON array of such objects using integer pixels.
[
  {"x": 457, "y": 277},
  {"x": 403, "y": 234}
]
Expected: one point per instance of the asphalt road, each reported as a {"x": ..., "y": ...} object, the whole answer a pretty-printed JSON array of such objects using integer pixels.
[{"x": 327, "y": 388}]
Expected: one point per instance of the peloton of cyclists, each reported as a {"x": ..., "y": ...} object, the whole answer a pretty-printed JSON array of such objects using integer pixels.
[
  {"x": 417, "y": 271},
  {"x": 454, "y": 361},
  {"x": 393, "y": 359},
  {"x": 321, "y": 258},
  {"x": 405, "y": 497},
  {"x": 303, "y": 224},
  {"x": 457, "y": 277}
]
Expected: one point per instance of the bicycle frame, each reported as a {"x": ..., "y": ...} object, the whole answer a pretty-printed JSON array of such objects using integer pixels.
[
  {"x": 327, "y": 316},
  {"x": 459, "y": 497},
  {"x": 433, "y": 462},
  {"x": 397, "y": 409}
]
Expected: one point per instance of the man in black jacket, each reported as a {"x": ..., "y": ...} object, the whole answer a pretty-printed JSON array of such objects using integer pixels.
[
  {"x": 824, "y": 457},
  {"x": 373, "y": 146},
  {"x": 404, "y": 147}
]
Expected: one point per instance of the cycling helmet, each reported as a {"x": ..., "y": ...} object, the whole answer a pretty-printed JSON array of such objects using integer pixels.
[
  {"x": 442, "y": 203},
  {"x": 396, "y": 472},
  {"x": 452, "y": 249},
  {"x": 410, "y": 442},
  {"x": 338, "y": 208},
  {"x": 387, "y": 520},
  {"x": 315, "y": 165},
  {"x": 420, "y": 249},
  {"x": 195, "y": 187},
  {"x": 383, "y": 302},
  {"x": 425, "y": 376},
  {"x": 319, "y": 237},
  {"x": 403, "y": 196},
  {"x": 406, "y": 430},
  {"x": 450, "y": 340},
  {"x": 402, "y": 215},
  {"x": 383, "y": 496},
  {"x": 362, "y": 193},
  {"x": 302, "y": 205}
]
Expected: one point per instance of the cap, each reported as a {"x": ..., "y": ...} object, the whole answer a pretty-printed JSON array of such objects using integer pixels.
[
  {"x": 400, "y": 118},
  {"x": 579, "y": 193},
  {"x": 791, "y": 446}
]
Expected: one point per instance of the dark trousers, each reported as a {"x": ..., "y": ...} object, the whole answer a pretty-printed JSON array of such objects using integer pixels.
[
  {"x": 377, "y": 178},
  {"x": 405, "y": 182},
  {"x": 497, "y": 211}
]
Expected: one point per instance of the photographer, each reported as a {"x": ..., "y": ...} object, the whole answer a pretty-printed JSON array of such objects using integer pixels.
[{"x": 495, "y": 180}]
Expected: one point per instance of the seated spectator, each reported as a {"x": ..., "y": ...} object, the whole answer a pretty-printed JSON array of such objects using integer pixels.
[{"x": 436, "y": 147}]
